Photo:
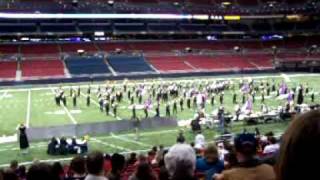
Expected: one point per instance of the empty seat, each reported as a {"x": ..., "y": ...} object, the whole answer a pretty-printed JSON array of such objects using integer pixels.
[
  {"x": 127, "y": 64},
  {"x": 170, "y": 63},
  {"x": 86, "y": 65},
  {"x": 42, "y": 68},
  {"x": 8, "y": 69}
]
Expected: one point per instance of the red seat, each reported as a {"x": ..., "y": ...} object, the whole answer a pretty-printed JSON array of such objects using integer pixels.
[
  {"x": 8, "y": 69},
  {"x": 42, "y": 68}
]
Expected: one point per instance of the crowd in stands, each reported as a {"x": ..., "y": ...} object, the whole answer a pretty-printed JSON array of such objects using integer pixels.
[{"x": 250, "y": 156}]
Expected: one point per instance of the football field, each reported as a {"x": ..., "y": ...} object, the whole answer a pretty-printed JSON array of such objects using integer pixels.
[{"x": 35, "y": 106}]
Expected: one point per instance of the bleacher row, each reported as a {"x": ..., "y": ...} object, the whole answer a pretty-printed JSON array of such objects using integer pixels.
[
  {"x": 119, "y": 64},
  {"x": 32, "y": 49}
]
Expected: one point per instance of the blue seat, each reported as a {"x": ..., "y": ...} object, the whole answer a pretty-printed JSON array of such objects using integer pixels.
[
  {"x": 86, "y": 65},
  {"x": 127, "y": 64}
]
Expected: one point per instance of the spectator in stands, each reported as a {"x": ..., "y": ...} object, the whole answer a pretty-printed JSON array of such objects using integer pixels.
[
  {"x": 9, "y": 174},
  {"x": 14, "y": 166},
  {"x": 143, "y": 172},
  {"x": 300, "y": 148},
  {"x": 40, "y": 171},
  {"x": 272, "y": 146},
  {"x": 249, "y": 167},
  {"x": 95, "y": 162},
  {"x": 77, "y": 168},
  {"x": 107, "y": 164},
  {"x": 57, "y": 171},
  {"x": 180, "y": 162},
  {"x": 210, "y": 163},
  {"x": 117, "y": 162},
  {"x": 1, "y": 174},
  {"x": 22, "y": 172},
  {"x": 132, "y": 159}
]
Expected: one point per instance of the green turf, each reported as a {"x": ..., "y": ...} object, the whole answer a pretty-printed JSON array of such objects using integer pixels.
[{"x": 44, "y": 113}]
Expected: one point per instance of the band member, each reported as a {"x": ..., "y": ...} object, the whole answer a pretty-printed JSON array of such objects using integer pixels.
[
  {"x": 140, "y": 98},
  {"x": 79, "y": 91},
  {"x": 129, "y": 94},
  {"x": 57, "y": 99},
  {"x": 23, "y": 139},
  {"x": 167, "y": 110},
  {"x": 312, "y": 96},
  {"x": 221, "y": 97},
  {"x": 243, "y": 98},
  {"x": 88, "y": 100},
  {"x": 158, "y": 110},
  {"x": 107, "y": 106},
  {"x": 181, "y": 104},
  {"x": 114, "y": 108},
  {"x": 262, "y": 97},
  {"x": 194, "y": 102},
  {"x": 145, "y": 110},
  {"x": 212, "y": 100},
  {"x": 253, "y": 97},
  {"x": 89, "y": 90},
  {"x": 64, "y": 100},
  {"x": 74, "y": 99},
  {"x": 101, "y": 103},
  {"x": 174, "y": 108},
  {"x": 132, "y": 100},
  {"x": 134, "y": 115},
  {"x": 188, "y": 102},
  {"x": 234, "y": 98},
  {"x": 300, "y": 97}
]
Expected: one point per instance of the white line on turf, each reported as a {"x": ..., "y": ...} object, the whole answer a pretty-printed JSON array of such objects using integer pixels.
[
  {"x": 110, "y": 145},
  {"x": 285, "y": 77},
  {"x": 4, "y": 94},
  {"x": 67, "y": 111},
  {"x": 122, "y": 138},
  {"x": 28, "y": 109}
]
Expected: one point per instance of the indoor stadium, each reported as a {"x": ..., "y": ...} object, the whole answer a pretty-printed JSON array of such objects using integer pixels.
[{"x": 159, "y": 89}]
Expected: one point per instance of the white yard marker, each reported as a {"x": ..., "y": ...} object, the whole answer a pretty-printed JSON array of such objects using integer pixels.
[
  {"x": 4, "y": 94},
  {"x": 28, "y": 109},
  {"x": 110, "y": 145},
  {"x": 286, "y": 77},
  {"x": 122, "y": 138},
  {"x": 67, "y": 111}
]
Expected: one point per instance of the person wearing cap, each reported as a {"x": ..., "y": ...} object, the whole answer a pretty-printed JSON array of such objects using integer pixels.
[
  {"x": 210, "y": 163},
  {"x": 249, "y": 167}
]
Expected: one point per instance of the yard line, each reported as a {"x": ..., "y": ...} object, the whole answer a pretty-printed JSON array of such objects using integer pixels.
[
  {"x": 97, "y": 104},
  {"x": 67, "y": 111},
  {"x": 285, "y": 77},
  {"x": 4, "y": 94},
  {"x": 110, "y": 145},
  {"x": 28, "y": 109},
  {"x": 129, "y": 140},
  {"x": 153, "y": 133}
]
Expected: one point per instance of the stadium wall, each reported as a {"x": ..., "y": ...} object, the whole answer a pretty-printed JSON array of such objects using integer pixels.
[{"x": 92, "y": 129}]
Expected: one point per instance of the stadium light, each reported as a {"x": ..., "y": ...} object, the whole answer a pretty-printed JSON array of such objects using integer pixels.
[{"x": 98, "y": 33}]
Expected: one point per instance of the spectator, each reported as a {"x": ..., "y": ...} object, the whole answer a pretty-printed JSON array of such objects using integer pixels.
[
  {"x": 95, "y": 162},
  {"x": 132, "y": 159},
  {"x": 107, "y": 164},
  {"x": 40, "y": 171},
  {"x": 300, "y": 148},
  {"x": 210, "y": 163},
  {"x": 272, "y": 146},
  {"x": 143, "y": 172},
  {"x": 22, "y": 173},
  {"x": 117, "y": 162},
  {"x": 10, "y": 175},
  {"x": 14, "y": 166},
  {"x": 57, "y": 171},
  {"x": 249, "y": 168},
  {"x": 180, "y": 162},
  {"x": 77, "y": 168}
]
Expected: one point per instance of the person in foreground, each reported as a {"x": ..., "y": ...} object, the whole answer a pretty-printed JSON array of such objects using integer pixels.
[
  {"x": 249, "y": 167},
  {"x": 299, "y": 151},
  {"x": 95, "y": 163},
  {"x": 180, "y": 162}
]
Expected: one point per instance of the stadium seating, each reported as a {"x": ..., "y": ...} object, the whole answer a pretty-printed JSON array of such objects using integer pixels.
[
  {"x": 8, "y": 49},
  {"x": 8, "y": 69},
  {"x": 73, "y": 47},
  {"x": 39, "y": 49},
  {"x": 42, "y": 68},
  {"x": 128, "y": 64},
  {"x": 205, "y": 63},
  {"x": 169, "y": 63},
  {"x": 86, "y": 65}
]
